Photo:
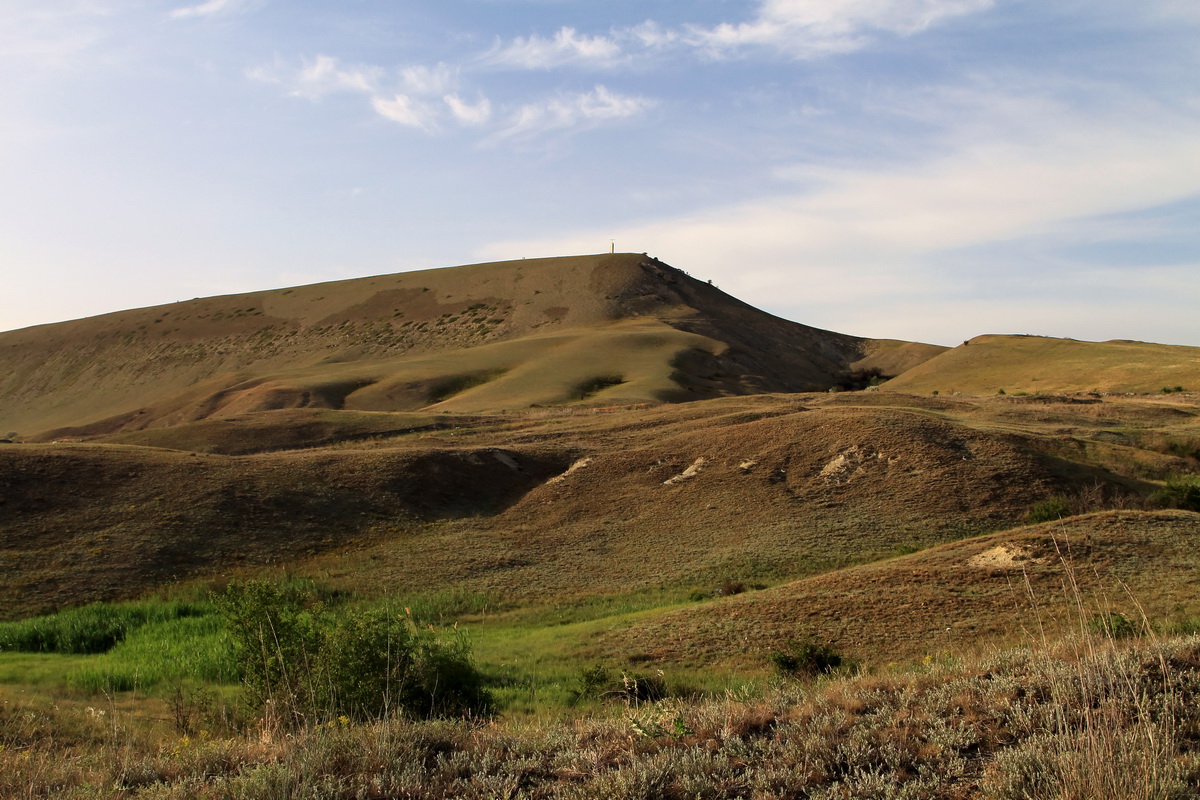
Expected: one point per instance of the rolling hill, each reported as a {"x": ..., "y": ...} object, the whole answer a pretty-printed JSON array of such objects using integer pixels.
[
  {"x": 566, "y": 502},
  {"x": 605, "y": 329},
  {"x": 512, "y": 429},
  {"x": 986, "y": 365}
]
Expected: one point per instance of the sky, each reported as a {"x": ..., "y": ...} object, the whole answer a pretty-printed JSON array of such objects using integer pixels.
[{"x": 927, "y": 170}]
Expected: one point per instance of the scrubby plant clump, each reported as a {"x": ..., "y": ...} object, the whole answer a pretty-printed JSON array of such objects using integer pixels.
[
  {"x": 303, "y": 661},
  {"x": 1055, "y": 508},
  {"x": 805, "y": 659},
  {"x": 1181, "y": 491}
]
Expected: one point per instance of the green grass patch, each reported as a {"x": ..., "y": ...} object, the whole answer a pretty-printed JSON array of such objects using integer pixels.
[
  {"x": 94, "y": 628},
  {"x": 188, "y": 648}
]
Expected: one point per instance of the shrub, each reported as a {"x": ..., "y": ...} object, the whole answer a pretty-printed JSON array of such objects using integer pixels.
[
  {"x": 860, "y": 379},
  {"x": 1049, "y": 510},
  {"x": 1181, "y": 491},
  {"x": 638, "y": 688},
  {"x": 591, "y": 386},
  {"x": 730, "y": 587},
  {"x": 592, "y": 683},
  {"x": 295, "y": 655},
  {"x": 631, "y": 688},
  {"x": 1112, "y": 625},
  {"x": 805, "y": 659}
]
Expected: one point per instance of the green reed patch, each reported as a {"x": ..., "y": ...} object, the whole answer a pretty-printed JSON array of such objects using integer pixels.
[{"x": 94, "y": 628}]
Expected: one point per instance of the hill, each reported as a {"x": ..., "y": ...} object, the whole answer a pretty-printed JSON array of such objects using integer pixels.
[
  {"x": 613, "y": 328},
  {"x": 1001, "y": 588},
  {"x": 560, "y": 503},
  {"x": 501, "y": 428},
  {"x": 987, "y": 365}
]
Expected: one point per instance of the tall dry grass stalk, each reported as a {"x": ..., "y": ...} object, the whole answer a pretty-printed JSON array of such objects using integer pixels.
[{"x": 1115, "y": 708}]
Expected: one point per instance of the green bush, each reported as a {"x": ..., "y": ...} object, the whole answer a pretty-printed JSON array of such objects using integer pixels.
[
  {"x": 1112, "y": 625},
  {"x": 308, "y": 662},
  {"x": 805, "y": 659},
  {"x": 1181, "y": 491},
  {"x": 1049, "y": 510},
  {"x": 631, "y": 688}
]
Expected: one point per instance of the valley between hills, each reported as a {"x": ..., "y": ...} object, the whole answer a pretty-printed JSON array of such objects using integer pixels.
[{"x": 598, "y": 465}]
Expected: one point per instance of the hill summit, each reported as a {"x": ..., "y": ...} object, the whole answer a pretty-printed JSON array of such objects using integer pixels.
[{"x": 612, "y": 328}]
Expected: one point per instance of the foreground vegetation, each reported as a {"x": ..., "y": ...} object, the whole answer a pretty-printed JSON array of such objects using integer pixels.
[
  {"x": 341, "y": 698},
  {"x": 1089, "y": 718}
]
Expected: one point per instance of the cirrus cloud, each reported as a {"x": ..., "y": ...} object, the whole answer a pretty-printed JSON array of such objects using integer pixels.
[
  {"x": 565, "y": 47},
  {"x": 212, "y": 8},
  {"x": 573, "y": 111},
  {"x": 810, "y": 28}
]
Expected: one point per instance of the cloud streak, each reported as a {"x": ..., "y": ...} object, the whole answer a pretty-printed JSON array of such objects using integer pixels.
[
  {"x": 573, "y": 111},
  {"x": 211, "y": 8},
  {"x": 319, "y": 77},
  {"x": 426, "y": 98},
  {"x": 567, "y": 46},
  {"x": 811, "y": 28}
]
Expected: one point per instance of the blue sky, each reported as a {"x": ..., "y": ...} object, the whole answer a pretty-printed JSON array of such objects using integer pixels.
[{"x": 916, "y": 169}]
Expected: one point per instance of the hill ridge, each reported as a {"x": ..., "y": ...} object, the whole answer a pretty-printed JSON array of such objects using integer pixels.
[{"x": 625, "y": 326}]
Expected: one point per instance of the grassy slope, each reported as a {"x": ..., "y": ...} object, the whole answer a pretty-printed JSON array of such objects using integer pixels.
[
  {"x": 987, "y": 364},
  {"x": 607, "y": 328},
  {"x": 780, "y": 486},
  {"x": 994, "y": 588}
]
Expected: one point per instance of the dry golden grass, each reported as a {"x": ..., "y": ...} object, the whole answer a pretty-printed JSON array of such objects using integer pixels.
[
  {"x": 596, "y": 329},
  {"x": 947, "y": 599},
  {"x": 1036, "y": 364}
]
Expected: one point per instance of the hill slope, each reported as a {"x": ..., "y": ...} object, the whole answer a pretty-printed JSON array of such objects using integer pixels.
[
  {"x": 558, "y": 503},
  {"x": 1008, "y": 585},
  {"x": 986, "y": 365},
  {"x": 604, "y": 329}
]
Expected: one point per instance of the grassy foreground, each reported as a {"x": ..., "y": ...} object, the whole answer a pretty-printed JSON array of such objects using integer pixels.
[
  {"x": 1106, "y": 712},
  {"x": 1087, "y": 718}
]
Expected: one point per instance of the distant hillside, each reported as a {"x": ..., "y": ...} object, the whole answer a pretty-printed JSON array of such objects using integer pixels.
[
  {"x": 545, "y": 502},
  {"x": 599, "y": 329},
  {"x": 1012, "y": 585},
  {"x": 987, "y": 365}
]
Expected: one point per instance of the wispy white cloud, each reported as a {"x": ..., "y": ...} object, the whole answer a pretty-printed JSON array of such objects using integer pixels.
[
  {"x": 652, "y": 35},
  {"x": 809, "y": 28},
  {"x": 426, "y": 80},
  {"x": 323, "y": 75},
  {"x": 567, "y": 46},
  {"x": 407, "y": 111},
  {"x": 426, "y": 98},
  {"x": 573, "y": 111},
  {"x": 468, "y": 113},
  {"x": 212, "y": 8}
]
